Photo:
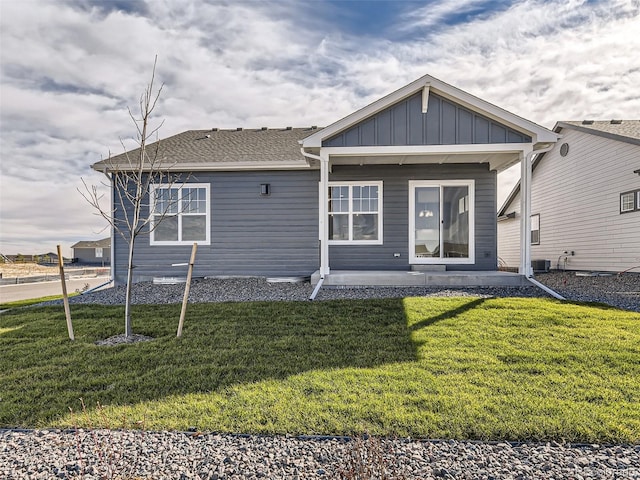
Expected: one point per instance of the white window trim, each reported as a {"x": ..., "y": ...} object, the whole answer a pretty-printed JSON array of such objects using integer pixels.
[
  {"x": 349, "y": 184},
  {"x": 207, "y": 241},
  {"x": 412, "y": 222},
  {"x": 633, "y": 206}
]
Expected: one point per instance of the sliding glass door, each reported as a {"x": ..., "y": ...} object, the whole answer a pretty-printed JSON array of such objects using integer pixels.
[{"x": 441, "y": 221}]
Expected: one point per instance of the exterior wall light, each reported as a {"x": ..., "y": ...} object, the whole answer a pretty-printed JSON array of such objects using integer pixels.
[{"x": 265, "y": 189}]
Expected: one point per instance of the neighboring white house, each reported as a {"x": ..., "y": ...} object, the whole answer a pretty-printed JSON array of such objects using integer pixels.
[{"x": 585, "y": 207}]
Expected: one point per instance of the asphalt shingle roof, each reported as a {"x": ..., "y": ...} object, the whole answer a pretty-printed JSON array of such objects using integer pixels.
[
  {"x": 226, "y": 146},
  {"x": 627, "y": 128}
]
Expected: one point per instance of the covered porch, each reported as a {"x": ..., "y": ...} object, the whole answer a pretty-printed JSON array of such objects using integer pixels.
[{"x": 419, "y": 168}]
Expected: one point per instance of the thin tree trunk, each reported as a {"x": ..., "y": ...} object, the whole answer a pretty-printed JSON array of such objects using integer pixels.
[{"x": 127, "y": 303}]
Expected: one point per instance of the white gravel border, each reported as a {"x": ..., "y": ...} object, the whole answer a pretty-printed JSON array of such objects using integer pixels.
[{"x": 45, "y": 454}]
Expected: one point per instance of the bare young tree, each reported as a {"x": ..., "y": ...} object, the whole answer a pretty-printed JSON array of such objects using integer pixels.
[{"x": 138, "y": 206}]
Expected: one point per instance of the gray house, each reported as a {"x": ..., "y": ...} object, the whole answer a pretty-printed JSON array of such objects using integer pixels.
[
  {"x": 406, "y": 184},
  {"x": 93, "y": 252}
]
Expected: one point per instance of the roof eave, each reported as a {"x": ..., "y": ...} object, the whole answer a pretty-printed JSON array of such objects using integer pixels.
[{"x": 216, "y": 166}]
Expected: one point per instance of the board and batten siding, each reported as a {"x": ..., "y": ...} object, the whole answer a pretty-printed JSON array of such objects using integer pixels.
[
  {"x": 396, "y": 215},
  {"x": 445, "y": 123},
  {"x": 578, "y": 199},
  {"x": 251, "y": 235}
]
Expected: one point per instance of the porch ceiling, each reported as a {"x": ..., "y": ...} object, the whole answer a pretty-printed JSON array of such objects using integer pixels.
[{"x": 497, "y": 161}]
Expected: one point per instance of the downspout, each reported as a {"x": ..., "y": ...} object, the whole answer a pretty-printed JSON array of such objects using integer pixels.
[{"x": 526, "y": 218}]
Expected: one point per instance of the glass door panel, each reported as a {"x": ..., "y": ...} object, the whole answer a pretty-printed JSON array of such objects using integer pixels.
[
  {"x": 455, "y": 222},
  {"x": 427, "y": 222}
]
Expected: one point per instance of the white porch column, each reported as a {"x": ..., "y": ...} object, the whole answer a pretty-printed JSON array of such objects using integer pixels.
[
  {"x": 323, "y": 214},
  {"x": 525, "y": 213}
]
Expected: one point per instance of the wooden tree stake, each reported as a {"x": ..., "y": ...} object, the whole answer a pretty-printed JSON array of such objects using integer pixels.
[
  {"x": 186, "y": 289},
  {"x": 65, "y": 297}
]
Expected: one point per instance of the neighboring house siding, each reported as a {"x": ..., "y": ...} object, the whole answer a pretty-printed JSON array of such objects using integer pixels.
[
  {"x": 578, "y": 199},
  {"x": 88, "y": 255},
  {"x": 509, "y": 237},
  {"x": 275, "y": 235},
  {"x": 396, "y": 215},
  {"x": 445, "y": 123}
]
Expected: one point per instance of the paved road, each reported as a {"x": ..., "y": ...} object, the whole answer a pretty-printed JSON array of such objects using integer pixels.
[{"x": 24, "y": 291}]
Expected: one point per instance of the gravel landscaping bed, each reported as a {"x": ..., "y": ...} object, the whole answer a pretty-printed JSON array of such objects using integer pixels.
[
  {"x": 100, "y": 454},
  {"x": 618, "y": 290},
  {"x": 258, "y": 289},
  {"x": 622, "y": 291}
]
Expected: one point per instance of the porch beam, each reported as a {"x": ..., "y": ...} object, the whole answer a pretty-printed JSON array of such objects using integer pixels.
[{"x": 478, "y": 149}]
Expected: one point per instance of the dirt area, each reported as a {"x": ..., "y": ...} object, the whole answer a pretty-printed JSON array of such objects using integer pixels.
[
  {"x": 22, "y": 270},
  {"x": 26, "y": 269}
]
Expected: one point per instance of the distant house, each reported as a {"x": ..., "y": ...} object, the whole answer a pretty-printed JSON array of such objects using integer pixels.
[
  {"x": 406, "y": 184},
  {"x": 585, "y": 201},
  {"x": 93, "y": 252}
]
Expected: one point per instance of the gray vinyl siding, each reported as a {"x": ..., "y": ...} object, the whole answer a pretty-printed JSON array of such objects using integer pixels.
[
  {"x": 88, "y": 256},
  {"x": 445, "y": 123},
  {"x": 396, "y": 215},
  {"x": 252, "y": 235}
]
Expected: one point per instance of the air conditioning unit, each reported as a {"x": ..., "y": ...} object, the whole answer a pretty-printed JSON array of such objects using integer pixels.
[{"x": 541, "y": 265}]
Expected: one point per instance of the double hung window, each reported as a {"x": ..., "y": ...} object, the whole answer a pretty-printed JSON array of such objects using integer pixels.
[
  {"x": 630, "y": 201},
  {"x": 181, "y": 214},
  {"x": 355, "y": 213}
]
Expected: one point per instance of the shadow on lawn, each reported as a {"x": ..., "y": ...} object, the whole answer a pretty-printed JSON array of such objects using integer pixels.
[
  {"x": 222, "y": 345},
  {"x": 448, "y": 314}
]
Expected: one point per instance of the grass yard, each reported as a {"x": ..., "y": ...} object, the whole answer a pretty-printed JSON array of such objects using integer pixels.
[
  {"x": 463, "y": 368},
  {"x": 32, "y": 301}
]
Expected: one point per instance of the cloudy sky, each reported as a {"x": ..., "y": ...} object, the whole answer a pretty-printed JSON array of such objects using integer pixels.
[{"x": 70, "y": 69}]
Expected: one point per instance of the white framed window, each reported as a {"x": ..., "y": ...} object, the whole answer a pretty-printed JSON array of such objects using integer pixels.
[
  {"x": 630, "y": 201},
  {"x": 535, "y": 229},
  {"x": 355, "y": 213},
  {"x": 181, "y": 214},
  {"x": 441, "y": 222},
  {"x": 98, "y": 252}
]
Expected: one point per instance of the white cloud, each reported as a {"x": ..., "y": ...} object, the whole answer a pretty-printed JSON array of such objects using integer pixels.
[{"x": 68, "y": 74}]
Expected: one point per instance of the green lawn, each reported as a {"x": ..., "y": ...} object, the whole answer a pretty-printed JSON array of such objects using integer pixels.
[
  {"x": 464, "y": 368},
  {"x": 32, "y": 301}
]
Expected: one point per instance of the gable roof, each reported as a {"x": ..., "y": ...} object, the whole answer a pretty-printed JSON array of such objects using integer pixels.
[
  {"x": 621, "y": 130},
  {"x": 538, "y": 133},
  {"x": 223, "y": 149},
  {"x": 104, "y": 243}
]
